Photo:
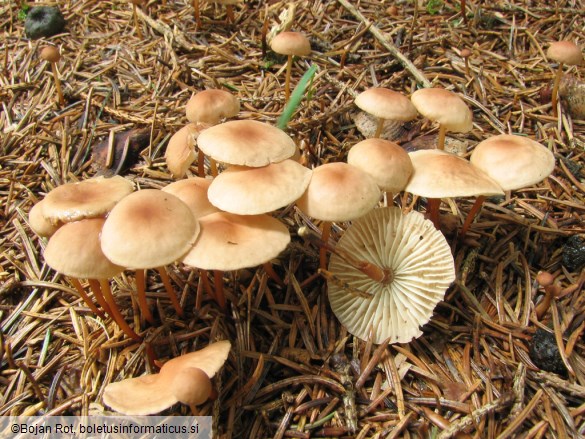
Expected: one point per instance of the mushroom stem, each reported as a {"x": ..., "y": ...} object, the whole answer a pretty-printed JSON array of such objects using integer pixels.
[
  {"x": 196, "y": 12},
  {"x": 287, "y": 80},
  {"x": 166, "y": 280},
  {"x": 201, "y": 164},
  {"x": 136, "y": 24},
  {"x": 433, "y": 205},
  {"x": 117, "y": 316},
  {"x": 213, "y": 167},
  {"x": 205, "y": 280},
  {"x": 99, "y": 297},
  {"x": 380, "y": 127},
  {"x": 272, "y": 274},
  {"x": 218, "y": 281},
  {"x": 141, "y": 295},
  {"x": 230, "y": 18},
  {"x": 471, "y": 215},
  {"x": 555, "y": 90},
  {"x": 441, "y": 138},
  {"x": 325, "y": 234},
  {"x": 57, "y": 84},
  {"x": 85, "y": 297}
]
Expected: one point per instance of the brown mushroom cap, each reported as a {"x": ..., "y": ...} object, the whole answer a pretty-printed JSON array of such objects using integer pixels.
[
  {"x": 85, "y": 199},
  {"x": 565, "y": 52},
  {"x": 180, "y": 152},
  {"x": 211, "y": 106},
  {"x": 444, "y": 107},
  {"x": 439, "y": 174},
  {"x": 291, "y": 43},
  {"x": 422, "y": 265},
  {"x": 154, "y": 393},
  {"x": 339, "y": 192},
  {"x": 513, "y": 161},
  {"x": 193, "y": 192},
  {"x": 50, "y": 54},
  {"x": 74, "y": 250},
  {"x": 230, "y": 242},
  {"x": 388, "y": 164},
  {"x": 191, "y": 386},
  {"x": 38, "y": 223},
  {"x": 386, "y": 104},
  {"x": 148, "y": 229},
  {"x": 246, "y": 143},
  {"x": 252, "y": 191}
]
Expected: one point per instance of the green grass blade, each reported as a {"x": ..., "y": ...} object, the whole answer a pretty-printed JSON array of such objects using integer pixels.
[{"x": 295, "y": 98}]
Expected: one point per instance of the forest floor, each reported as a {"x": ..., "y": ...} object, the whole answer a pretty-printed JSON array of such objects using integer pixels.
[{"x": 294, "y": 371}]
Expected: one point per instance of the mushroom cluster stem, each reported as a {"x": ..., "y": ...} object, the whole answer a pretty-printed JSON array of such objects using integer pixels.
[
  {"x": 85, "y": 297},
  {"x": 379, "y": 127},
  {"x": 116, "y": 315},
  {"x": 166, "y": 280},
  {"x": 555, "y": 90},
  {"x": 287, "y": 79},
  {"x": 141, "y": 295},
  {"x": 471, "y": 215},
  {"x": 441, "y": 139}
]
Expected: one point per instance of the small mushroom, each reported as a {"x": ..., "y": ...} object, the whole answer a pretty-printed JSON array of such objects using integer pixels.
[
  {"x": 290, "y": 44},
  {"x": 564, "y": 52},
  {"x": 51, "y": 54}
]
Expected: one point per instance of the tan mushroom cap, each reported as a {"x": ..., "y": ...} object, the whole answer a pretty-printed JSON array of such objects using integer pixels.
[
  {"x": 513, "y": 161},
  {"x": 422, "y": 266},
  {"x": 211, "y": 106},
  {"x": 246, "y": 143},
  {"x": 38, "y": 223},
  {"x": 180, "y": 152},
  {"x": 191, "y": 386},
  {"x": 339, "y": 192},
  {"x": 230, "y": 242},
  {"x": 148, "y": 229},
  {"x": 444, "y": 107},
  {"x": 154, "y": 393},
  {"x": 386, "y": 104},
  {"x": 565, "y": 52},
  {"x": 388, "y": 164},
  {"x": 291, "y": 43},
  {"x": 74, "y": 250},
  {"x": 85, "y": 199},
  {"x": 252, "y": 191},
  {"x": 50, "y": 54},
  {"x": 193, "y": 192},
  {"x": 439, "y": 174}
]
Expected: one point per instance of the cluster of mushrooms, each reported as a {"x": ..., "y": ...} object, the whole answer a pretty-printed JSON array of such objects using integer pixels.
[{"x": 386, "y": 273}]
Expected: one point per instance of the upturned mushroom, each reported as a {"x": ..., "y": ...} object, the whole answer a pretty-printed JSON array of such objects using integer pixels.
[
  {"x": 184, "y": 379},
  {"x": 290, "y": 44}
]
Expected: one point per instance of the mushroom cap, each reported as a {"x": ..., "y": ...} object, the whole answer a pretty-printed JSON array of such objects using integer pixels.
[
  {"x": 74, "y": 250},
  {"x": 565, "y": 52},
  {"x": 444, "y": 107},
  {"x": 230, "y": 242},
  {"x": 148, "y": 229},
  {"x": 50, "y": 54},
  {"x": 154, "y": 393},
  {"x": 193, "y": 192},
  {"x": 191, "y": 386},
  {"x": 422, "y": 265},
  {"x": 211, "y": 106},
  {"x": 85, "y": 199},
  {"x": 252, "y": 191},
  {"x": 291, "y": 43},
  {"x": 246, "y": 143},
  {"x": 386, "y": 104},
  {"x": 38, "y": 223},
  {"x": 513, "y": 161},
  {"x": 180, "y": 152},
  {"x": 339, "y": 192},
  {"x": 439, "y": 174},
  {"x": 388, "y": 164}
]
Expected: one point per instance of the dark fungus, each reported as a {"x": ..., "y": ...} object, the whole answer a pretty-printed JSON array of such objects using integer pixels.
[{"x": 43, "y": 21}]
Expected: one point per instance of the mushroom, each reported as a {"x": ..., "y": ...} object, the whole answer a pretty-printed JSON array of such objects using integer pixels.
[
  {"x": 290, "y": 44},
  {"x": 420, "y": 268},
  {"x": 385, "y": 104},
  {"x": 179, "y": 380},
  {"x": 444, "y": 107},
  {"x": 338, "y": 192},
  {"x": 149, "y": 229},
  {"x": 551, "y": 290},
  {"x": 564, "y": 52},
  {"x": 388, "y": 164},
  {"x": 230, "y": 242},
  {"x": 193, "y": 192},
  {"x": 39, "y": 224},
  {"x": 252, "y": 191},
  {"x": 180, "y": 152},
  {"x": 207, "y": 108},
  {"x": 439, "y": 174},
  {"x": 51, "y": 54},
  {"x": 513, "y": 162},
  {"x": 74, "y": 250},
  {"x": 246, "y": 143}
]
